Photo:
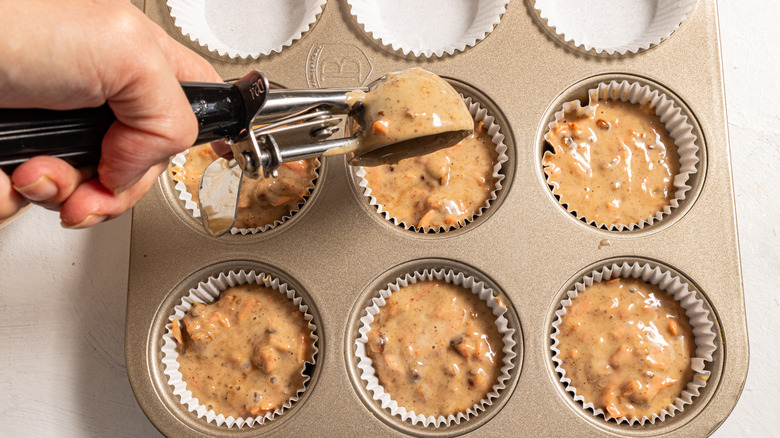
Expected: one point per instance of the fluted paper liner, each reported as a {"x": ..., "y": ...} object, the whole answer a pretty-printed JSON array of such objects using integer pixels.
[
  {"x": 698, "y": 316},
  {"x": 206, "y": 292},
  {"x": 193, "y": 207},
  {"x": 430, "y": 28},
  {"x": 675, "y": 123},
  {"x": 245, "y": 28},
  {"x": 368, "y": 374},
  {"x": 494, "y": 131},
  {"x": 606, "y": 26}
]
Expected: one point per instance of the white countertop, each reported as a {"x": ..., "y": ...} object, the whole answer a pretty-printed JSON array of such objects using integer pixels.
[{"x": 62, "y": 300}]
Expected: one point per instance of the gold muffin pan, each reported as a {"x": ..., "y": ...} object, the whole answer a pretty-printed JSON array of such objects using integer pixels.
[{"x": 337, "y": 251}]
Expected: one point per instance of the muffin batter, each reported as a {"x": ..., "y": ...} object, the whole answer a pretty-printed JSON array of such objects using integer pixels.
[
  {"x": 435, "y": 348},
  {"x": 410, "y": 104},
  {"x": 441, "y": 189},
  {"x": 616, "y": 166},
  {"x": 244, "y": 355},
  {"x": 627, "y": 346},
  {"x": 261, "y": 201}
]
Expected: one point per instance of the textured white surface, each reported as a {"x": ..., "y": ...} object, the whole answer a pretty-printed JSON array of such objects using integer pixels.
[
  {"x": 750, "y": 64},
  {"x": 62, "y": 299}
]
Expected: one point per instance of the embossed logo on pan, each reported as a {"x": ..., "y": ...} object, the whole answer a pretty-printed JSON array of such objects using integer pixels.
[{"x": 336, "y": 66}]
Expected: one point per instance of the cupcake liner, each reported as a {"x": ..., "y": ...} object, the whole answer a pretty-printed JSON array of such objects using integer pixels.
[
  {"x": 206, "y": 292},
  {"x": 675, "y": 123},
  {"x": 698, "y": 316},
  {"x": 492, "y": 128},
  {"x": 365, "y": 364},
  {"x": 247, "y": 28},
  {"x": 614, "y": 27},
  {"x": 193, "y": 207},
  {"x": 430, "y": 28}
]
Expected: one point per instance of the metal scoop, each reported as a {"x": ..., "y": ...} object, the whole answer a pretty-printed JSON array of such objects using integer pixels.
[{"x": 295, "y": 125}]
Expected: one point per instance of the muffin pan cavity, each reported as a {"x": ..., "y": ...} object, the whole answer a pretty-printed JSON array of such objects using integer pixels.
[
  {"x": 428, "y": 29},
  {"x": 363, "y": 376},
  {"x": 613, "y": 27},
  {"x": 707, "y": 360},
  {"x": 246, "y": 28},
  {"x": 679, "y": 121},
  {"x": 205, "y": 286}
]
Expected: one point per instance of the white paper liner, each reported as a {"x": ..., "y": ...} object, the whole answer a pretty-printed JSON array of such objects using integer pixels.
[
  {"x": 494, "y": 131},
  {"x": 430, "y": 28},
  {"x": 245, "y": 28},
  {"x": 675, "y": 123},
  {"x": 614, "y": 26},
  {"x": 698, "y": 316},
  {"x": 368, "y": 374},
  {"x": 190, "y": 205},
  {"x": 206, "y": 292}
]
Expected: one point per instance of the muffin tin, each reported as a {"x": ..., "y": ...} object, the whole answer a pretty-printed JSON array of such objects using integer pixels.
[{"x": 337, "y": 252}]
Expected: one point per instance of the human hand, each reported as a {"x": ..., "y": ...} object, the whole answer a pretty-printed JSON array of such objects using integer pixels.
[{"x": 75, "y": 54}]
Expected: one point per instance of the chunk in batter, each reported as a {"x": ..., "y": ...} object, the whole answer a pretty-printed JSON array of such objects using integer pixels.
[
  {"x": 627, "y": 346},
  {"x": 435, "y": 348},
  {"x": 262, "y": 201},
  {"x": 244, "y": 354},
  {"x": 441, "y": 189},
  {"x": 615, "y": 166}
]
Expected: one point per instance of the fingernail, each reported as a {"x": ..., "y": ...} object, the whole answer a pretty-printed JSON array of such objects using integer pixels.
[
  {"x": 91, "y": 220},
  {"x": 41, "y": 190},
  {"x": 124, "y": 187}
]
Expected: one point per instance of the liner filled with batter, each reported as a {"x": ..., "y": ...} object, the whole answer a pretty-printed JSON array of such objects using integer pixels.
[
  {"x": 613, "y": 382},
  {"x": 263, "y": 355},
  {"x": 283, "y": 196},
  {"x": 584, "y": 159},
  {"x": 420, "y": 386},
  {"x": 436, "y": 194}
]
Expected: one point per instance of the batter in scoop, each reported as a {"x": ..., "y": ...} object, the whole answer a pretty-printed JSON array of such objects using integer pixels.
[
  {"x": 615, "y": 166},
  {"x": 410, "y": 105}
]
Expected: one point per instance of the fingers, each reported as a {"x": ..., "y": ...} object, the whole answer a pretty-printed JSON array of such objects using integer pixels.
[
  {"x": 136, "y": 70},
  {"x": 47, "y": 181},
  {"x": 91, "y": 203},
  {"x": 154, "y": 121},
  {"x": 187, "y": 65},
  {"x": 10, "y": 200},
  {"x": 128, "y": 153},
  {"x": 82, "y": 202}
]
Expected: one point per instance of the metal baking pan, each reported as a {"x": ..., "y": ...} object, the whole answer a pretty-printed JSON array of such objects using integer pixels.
[{"x": 338, "y": 251}]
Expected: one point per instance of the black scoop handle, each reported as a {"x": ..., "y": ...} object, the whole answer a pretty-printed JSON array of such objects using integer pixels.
[{"x": 224, "y": 111}]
